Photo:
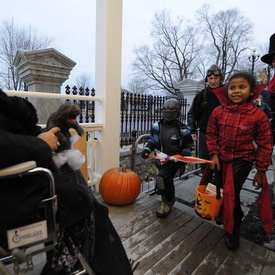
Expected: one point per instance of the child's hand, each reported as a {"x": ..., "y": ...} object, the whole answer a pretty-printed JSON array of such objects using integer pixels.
[
  {"x": 216, "y": 162},
  {"x": 258, "y": 180}
]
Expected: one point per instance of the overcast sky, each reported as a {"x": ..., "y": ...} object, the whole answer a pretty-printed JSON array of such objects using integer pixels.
[{"x": 72, "y": 24}]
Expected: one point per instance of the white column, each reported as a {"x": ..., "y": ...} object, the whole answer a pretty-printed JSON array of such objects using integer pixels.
[{"x": 108, "y": 81}]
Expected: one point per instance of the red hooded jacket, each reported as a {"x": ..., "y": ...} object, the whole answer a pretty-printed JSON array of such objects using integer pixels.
[{"x": 241, "y": 132}]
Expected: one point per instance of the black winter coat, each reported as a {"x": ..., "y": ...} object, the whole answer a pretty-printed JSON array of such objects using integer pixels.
[
  {"x": 202, "y": 106},
  {"x": 18, "y": 143}
]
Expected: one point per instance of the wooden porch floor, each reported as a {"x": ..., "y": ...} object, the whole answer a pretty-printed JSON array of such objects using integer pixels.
[{"x": 182, "y": 243}]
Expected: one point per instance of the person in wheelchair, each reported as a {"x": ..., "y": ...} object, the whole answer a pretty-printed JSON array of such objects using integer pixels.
[{"x": 84, "y": 224}]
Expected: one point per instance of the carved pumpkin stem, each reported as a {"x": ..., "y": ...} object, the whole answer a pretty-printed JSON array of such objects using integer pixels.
[{"x": 123, "y": 167}]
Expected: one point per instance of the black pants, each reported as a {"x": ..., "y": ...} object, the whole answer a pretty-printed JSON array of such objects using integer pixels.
[
  {"x": 241, "y": 170},
  {"x": 203, "y": 151},
  {"x": 168, "y": 172},
  {"x": 109, "y": 257}
]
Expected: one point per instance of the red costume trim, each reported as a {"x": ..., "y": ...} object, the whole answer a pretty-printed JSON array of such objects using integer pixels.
[
  {"x": 265, "y": 209},
  {"x": 263, "y": 201}
]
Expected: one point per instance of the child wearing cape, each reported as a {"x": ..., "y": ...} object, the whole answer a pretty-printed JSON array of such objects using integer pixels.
[{"x": 239, "y": 135}]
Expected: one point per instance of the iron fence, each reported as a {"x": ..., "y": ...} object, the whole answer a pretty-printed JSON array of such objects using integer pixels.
[
  {"x": 138, "y": 112},
  {"x": 87, "y": 108}
]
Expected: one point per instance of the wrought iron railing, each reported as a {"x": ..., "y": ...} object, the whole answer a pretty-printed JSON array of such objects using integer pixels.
[{"x": 138, "y": 112}]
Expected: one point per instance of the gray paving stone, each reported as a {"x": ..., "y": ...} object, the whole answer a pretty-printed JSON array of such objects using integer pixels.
[{"x": 186, "y": 189}]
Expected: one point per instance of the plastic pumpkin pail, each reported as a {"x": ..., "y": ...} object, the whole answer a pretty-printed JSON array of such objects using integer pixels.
[{"x": 207, "y": 206}]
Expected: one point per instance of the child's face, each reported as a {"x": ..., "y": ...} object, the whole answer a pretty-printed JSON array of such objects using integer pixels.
[{"x": 239, "y": 90}]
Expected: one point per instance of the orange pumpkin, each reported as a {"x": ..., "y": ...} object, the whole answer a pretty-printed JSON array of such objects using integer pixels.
[{"x": 119, "y": 186}]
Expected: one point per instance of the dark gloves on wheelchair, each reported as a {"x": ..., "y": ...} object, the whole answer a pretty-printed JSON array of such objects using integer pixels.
[{"x": 145, "y": 154}]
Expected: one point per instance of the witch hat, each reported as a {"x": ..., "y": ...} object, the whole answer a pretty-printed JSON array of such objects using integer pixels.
[{"x": 267, "y": 58}]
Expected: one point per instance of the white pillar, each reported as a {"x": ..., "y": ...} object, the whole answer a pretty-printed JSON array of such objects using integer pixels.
[{"x": 108, "y": 81}]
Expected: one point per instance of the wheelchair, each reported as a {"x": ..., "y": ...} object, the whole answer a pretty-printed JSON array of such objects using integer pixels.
[{"x": 21, "y": 241}]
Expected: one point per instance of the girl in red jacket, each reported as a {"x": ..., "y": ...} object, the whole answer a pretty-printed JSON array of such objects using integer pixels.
[{"x": 239, "y": 134}]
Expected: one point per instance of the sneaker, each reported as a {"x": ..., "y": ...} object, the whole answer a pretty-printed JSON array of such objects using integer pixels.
[{"x": 165, "y": 208}]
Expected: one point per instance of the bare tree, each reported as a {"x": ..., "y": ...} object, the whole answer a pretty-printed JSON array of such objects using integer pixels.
[
  {"x": 137, "y": 85},
  {"x": 84, "y": 81},
  {"x": 12, "y": 38},
  {"x": 172, "y": 56},
  {"x": 182, "y": 49},
  {"x": 228, "y": 37}
]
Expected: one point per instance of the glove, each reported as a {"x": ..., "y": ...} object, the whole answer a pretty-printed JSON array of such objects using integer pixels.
[
  {"x": 145, "y": 154},
  {"x": 186, "y": 152}
]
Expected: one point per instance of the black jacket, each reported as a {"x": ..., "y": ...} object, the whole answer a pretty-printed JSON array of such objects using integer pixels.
[
  {"x": 202, "y": 106},
  {"x": 18, "y": 143},
  {"x": 170, "y": 138},
  {"x": 18, "y": 131}
]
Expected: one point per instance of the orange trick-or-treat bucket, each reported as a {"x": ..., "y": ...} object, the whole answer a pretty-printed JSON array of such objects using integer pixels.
[{"x": 207, "y": 206}]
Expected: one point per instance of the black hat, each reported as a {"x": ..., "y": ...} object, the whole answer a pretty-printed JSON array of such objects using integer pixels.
[{"x": 267, "y": 58}]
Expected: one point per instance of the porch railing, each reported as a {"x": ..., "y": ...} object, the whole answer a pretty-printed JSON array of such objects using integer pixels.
[{"x": 93, "y": 176}]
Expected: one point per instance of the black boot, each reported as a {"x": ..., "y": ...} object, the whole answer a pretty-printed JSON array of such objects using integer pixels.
[
  {"x": 232, "y": 241},
  {"x": 165, "y": 208},
  {"x": 218, "y": 219}
]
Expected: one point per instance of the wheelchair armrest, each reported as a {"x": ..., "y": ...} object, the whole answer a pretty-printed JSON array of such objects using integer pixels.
[{"x": 17, "y": 168}]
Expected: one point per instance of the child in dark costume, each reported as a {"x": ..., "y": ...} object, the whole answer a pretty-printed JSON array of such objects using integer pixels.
[{"x": 171, "y": 137}]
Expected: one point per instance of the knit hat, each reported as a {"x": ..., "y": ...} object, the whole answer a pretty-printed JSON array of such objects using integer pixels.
[{"x": 267, "y": 58}]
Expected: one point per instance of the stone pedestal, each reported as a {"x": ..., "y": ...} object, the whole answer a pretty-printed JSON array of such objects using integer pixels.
[{"x": 43, "y": 71}]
